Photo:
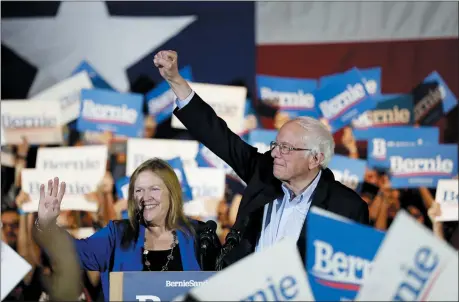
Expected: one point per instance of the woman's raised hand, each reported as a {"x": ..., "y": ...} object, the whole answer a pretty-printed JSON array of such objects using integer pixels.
[{"x": 49, "y": 206}]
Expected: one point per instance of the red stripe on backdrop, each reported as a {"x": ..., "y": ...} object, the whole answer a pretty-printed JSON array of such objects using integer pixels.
[{"x": 404, "y": 63}]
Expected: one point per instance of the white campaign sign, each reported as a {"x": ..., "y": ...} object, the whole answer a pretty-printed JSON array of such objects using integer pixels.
[
  {"x": 276, "y": 274},
  {"x": 208, "y": 187},
  {"x": 446, "y": 196},
  {"x": 78, "y": 183},
  {"x": 142, "y": 149},
  {"x": 68, "y": 93},
  {"x": 227, "y": 101},
  {"x": 411, "y": 265},
  {"x": 14, "y": 268},
  {"x": 90, "y": 159},
  {"x": 38, "y": 121}
]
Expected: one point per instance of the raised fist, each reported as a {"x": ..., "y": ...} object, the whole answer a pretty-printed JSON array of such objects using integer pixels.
[
  {"x": 166, "y": 62},
  {"x": 49, "y": 206}
]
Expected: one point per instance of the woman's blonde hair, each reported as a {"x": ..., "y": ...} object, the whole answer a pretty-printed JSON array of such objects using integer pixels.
[{"x": 175, "y": 218}]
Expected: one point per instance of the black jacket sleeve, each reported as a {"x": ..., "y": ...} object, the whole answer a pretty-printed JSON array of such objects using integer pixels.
[{"x": 209, "y": 129}]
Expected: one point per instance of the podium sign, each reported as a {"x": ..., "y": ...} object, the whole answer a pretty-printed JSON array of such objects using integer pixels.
[{"x": 154, "y": 286}]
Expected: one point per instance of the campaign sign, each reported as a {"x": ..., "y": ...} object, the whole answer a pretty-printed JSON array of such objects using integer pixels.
[
  {"x": 161, "y": 99},
  {"x": 104, "y": 110},
  {"x": 68, "y": 93},
  {"x": 414, "y": 167},
  {"x": 206, "y": 158},
  {"x": 13, "y": 269},
  {"x": 177, "y": 164},
  {"x": 379, "y": 139},
  {"x": 261, "y": 139},
  {"x": 446, "y": 196},
  {"x": 227, "y": 101},
  {"x": 428, "y": 108},
  {"x": 336, "y": 264},
  {"x": 370, "y": 76},
  {"x": 290, "y": 95},
  {"x": 122, "y": 190},
  {"x": 122, "y": 187},
  {"x": 412, "y": 265},
  {"x": 141, "y": 149},
  {"x": 348, "y": 171},
  {"x": 89, "y": 159},
  {"x": 344, "y": 99},
  {"x": 154, "y": 286},
  {"x": 275, "y": 274},
  {"x": 449, "y": 99},
  {"x": 251, "y": 119},
  {"x": 40, "y": 122},
  {"x": 97, "y": 80},
  {"x": 390, "y": 111}
]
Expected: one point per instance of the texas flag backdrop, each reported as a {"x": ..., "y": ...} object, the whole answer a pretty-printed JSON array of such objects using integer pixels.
[{"x": 225, "y": 42}]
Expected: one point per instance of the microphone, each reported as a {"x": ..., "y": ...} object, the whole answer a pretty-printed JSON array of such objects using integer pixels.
[{"x": 206, "y": 237}]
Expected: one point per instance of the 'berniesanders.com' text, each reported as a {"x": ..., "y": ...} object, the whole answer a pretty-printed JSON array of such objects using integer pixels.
[{"x": 188, "y": 283}]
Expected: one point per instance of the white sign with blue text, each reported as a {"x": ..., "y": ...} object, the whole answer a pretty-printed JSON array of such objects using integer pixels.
[
  {"x": 447, "y": 196},
  {"x": 104, "y": 110},
  {"x": 275, "y": 274},
  {"x": 141, "y": 149},
  {"x": 227, "y": 101},
  {"x": 344, "y": 99},
  {"x": 39, "y": 122},
  {"x": 68, "y": 93},
  {"x": 414, "y": 167},
  {"x": 412, "y": 265}
]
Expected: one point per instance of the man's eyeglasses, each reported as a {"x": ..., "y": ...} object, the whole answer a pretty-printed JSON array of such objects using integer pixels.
[{"x": 285, "y": 149}]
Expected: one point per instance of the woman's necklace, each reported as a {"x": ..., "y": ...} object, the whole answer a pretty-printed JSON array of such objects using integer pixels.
[{"x": 169, "y": 257}]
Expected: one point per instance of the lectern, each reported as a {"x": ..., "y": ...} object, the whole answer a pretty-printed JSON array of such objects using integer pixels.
[{"x": 154, "y": 286}]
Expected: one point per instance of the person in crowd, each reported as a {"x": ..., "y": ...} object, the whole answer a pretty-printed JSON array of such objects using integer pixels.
[
  {"x": 156, "y": 237},
  {"x": 10, "y": 227},
  {"x": 284, "y": 182}
]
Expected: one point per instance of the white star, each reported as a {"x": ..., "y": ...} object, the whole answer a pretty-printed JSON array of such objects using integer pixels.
[{"x": 86, "y": 31}]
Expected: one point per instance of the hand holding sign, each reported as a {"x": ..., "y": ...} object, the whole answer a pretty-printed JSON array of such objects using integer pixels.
[
  {"x": 49, "y": 206},
  {"x": 166, "y": 62}
]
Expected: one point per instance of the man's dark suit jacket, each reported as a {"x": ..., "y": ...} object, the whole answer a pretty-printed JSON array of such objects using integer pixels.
[{"x": 256, "y": 170}]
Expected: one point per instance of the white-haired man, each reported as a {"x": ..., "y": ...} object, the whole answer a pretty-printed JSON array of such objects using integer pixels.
[{"x": 282, "y": 184}]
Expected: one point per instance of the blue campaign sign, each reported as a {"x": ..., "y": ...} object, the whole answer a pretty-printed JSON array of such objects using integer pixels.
[
  {"x": 391, "y": 110},
  {"x": 261, "y": 139},
  {"x": 339, "y": 256},
  {"x": 105, "y": 110},
  {"x": 348, "y": 171},
  {"x": 344, "y": 99},
  {"x": 449, "y": 99},
  {"x": 414, "y": 167},
  {"x": 96, "y": 79},
  {"x": 428, "y": 105},
  {"x": 370, "y": 76},
  {"x": 206, "y": 158},
  {"x": 159, "y": 286},
  {"x": 251, "y": 119},
  {"x": 177, "y": 164},
  {"x": 379, "y": 139},
  {"x": 291, "y": 95},
  {"x": 161, "y": 99},
  {"x": 122, "y": 187}
]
